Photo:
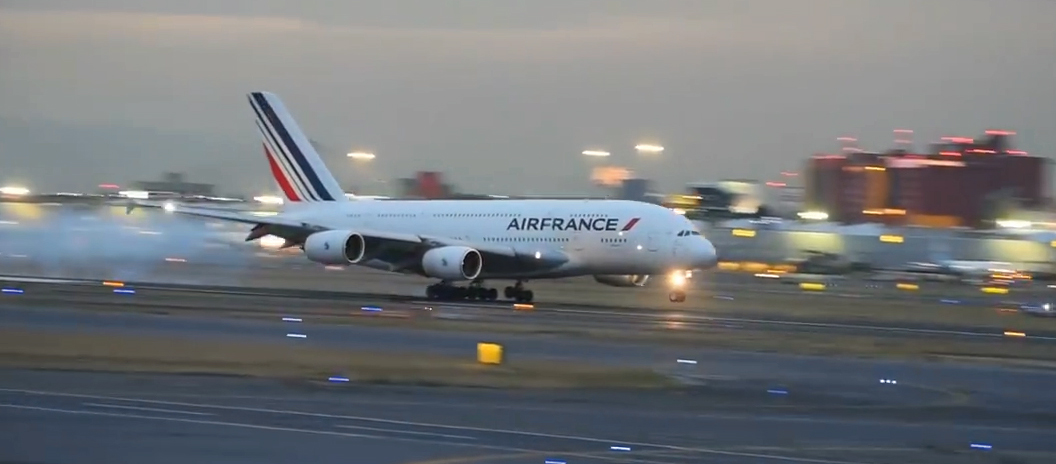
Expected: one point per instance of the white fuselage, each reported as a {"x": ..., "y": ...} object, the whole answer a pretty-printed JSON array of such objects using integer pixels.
[{"x": 598, "y": 236}]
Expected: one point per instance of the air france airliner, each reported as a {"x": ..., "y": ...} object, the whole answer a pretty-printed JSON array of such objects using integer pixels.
[{"x": 619, "y": 243}]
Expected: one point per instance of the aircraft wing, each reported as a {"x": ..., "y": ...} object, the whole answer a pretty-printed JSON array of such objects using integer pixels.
[{"x": 401, "y": 251}]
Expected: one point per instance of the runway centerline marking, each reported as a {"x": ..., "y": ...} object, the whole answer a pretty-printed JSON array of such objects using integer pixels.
[
  {"x": 138, "y": 408},
  {"x": 524, "y": 433},
  {"x": 409, "y": 432}
]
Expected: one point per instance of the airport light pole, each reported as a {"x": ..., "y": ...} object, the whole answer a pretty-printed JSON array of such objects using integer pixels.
[
  {"x": 646, "y": 152},
  {"x": 364, "y": 161},
  {"x": 361, "y": 155},
  {"x": 597, "y": 160}
]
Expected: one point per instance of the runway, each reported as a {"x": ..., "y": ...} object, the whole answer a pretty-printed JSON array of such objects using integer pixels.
[
  {"x": 103, "y": 418},
  {"x": 735, "y": 407},
  {"x": 714, "y": 314},
  {"x": 761, "y": 369}
]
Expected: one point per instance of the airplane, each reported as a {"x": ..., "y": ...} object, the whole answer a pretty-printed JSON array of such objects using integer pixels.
[
  {"x": 939, "y": 262},
  {"x": 618, "y": 242}
]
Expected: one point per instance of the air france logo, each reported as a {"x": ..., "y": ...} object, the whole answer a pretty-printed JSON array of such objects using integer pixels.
[
  {"x": 551, "y": 223},
  {"x": 326, "y": 245}
]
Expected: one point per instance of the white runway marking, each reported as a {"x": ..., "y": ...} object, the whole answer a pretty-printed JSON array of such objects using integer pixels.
[
  {"x": 606, "y": 442},
  {"x": 409, "y": 432},
  {"x": 137, "y": 408}
]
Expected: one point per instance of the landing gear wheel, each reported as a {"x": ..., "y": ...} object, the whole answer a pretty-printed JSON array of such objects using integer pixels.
[
  {"x": 676, "y": 296},
  {"x": 509, "y": 292},
  {"x": 524, "y": 296},
  {"x": 445, "y": 292}
]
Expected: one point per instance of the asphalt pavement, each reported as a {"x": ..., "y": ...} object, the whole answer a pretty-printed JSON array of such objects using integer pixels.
[
  {"x": 762, "y": 370},
  {"x": 102, "y": 418}
]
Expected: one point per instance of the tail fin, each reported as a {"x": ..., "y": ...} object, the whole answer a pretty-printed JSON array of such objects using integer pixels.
[{"x": 296, "y": 165}]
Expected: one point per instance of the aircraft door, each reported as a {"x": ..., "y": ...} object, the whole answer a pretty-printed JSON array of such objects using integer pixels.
[
  {"x": 678, "y": 247},
  {"x": 652, "y": 242}
]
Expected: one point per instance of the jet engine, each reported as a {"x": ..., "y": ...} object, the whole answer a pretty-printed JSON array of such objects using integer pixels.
[
  {"x": 452, "y": 263},
  {"x": 622, "y": 280},
  {"x": 335, "y": 247}
]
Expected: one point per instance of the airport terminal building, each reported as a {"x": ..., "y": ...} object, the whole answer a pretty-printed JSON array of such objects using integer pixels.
[{"x": 960, "y": 182}]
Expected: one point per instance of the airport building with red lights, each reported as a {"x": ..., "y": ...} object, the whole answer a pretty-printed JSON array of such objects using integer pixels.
[{"x": 956, "y": 184}]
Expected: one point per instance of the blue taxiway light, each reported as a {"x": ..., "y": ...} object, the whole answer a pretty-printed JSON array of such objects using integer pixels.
[
  {"x": 982, "y": 446},
  {"x": 293, "y": 335},
  {"x": 620, "y": 448},
  {"x": 338, "y": 379},
  {"x": 13, "y": 291},
  {"x": 124, "y": 291},
  {"x": 291, "y": 319},
  {"x": 371, "y": 308},
  {"x": 775, "y": 391}
]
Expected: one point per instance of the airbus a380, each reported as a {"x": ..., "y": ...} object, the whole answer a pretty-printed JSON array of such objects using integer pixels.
[{"x": 619, "y": 243}]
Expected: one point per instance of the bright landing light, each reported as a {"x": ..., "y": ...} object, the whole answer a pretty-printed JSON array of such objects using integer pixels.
[
  {"x": 361, "y": 155},
  {"x": 677, "y": 278},
  {"x": 169, "y": 206}
]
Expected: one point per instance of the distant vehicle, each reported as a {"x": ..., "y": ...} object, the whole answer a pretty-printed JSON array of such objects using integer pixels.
[{"x": 619, "y": 243}]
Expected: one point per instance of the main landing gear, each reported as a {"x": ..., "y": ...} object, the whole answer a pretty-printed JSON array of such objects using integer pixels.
[
  {"x": 447, "y": 292},
  {"x": 518, "y": 293},
  {"x": 476, "y": 291}
]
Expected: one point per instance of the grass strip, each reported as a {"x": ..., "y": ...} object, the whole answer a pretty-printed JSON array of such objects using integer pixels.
[{"x": 43, "y": 349}]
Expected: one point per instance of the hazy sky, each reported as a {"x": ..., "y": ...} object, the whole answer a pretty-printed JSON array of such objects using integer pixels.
[{"x": 504, "y": 94}]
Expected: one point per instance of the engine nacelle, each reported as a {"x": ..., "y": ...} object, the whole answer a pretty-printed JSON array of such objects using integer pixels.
[
  {"x": 335, "y": 247},
  {"x": 622, "y": 280},
  {"x": 453, "y": 263}
]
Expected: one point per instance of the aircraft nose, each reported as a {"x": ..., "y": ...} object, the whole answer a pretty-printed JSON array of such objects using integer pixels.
[{"x": 704, "y": 254}]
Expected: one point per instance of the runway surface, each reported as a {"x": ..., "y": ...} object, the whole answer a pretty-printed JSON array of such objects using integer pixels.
[
  {"x": 745, "y": 311},
  {"x": 102, "y": 418},
  {"x": 760, "y": 369},
  {"x": 736, "y": 407}
]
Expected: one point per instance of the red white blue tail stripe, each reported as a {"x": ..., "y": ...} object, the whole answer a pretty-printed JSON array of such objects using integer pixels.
[{"x": 296, "y": 166}]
